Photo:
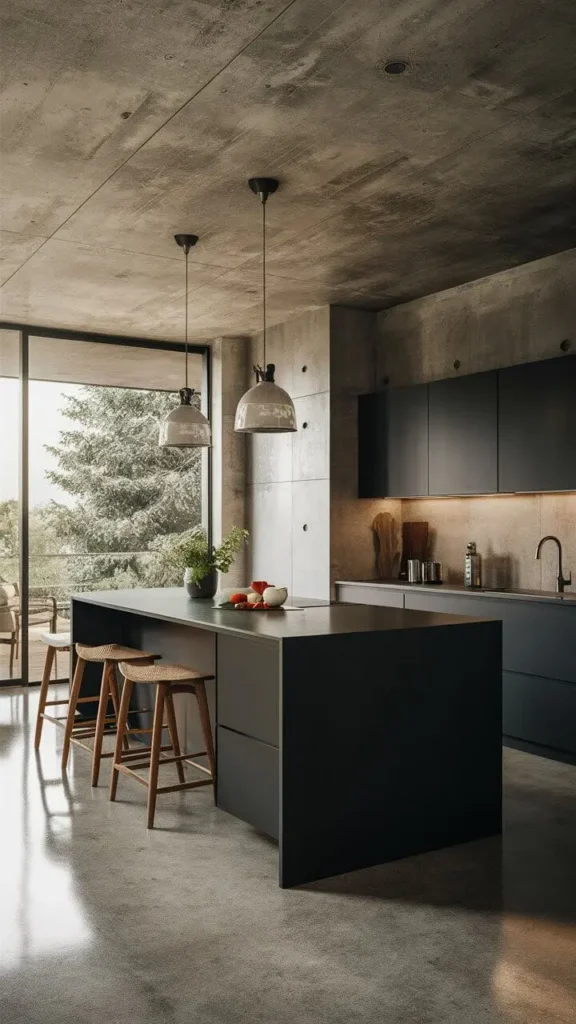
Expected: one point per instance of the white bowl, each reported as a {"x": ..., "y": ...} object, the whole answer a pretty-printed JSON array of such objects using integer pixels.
[{"x": 275, "y": 596}]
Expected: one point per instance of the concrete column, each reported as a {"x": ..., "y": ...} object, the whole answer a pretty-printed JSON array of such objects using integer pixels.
[{"x": 230, "y": 379}]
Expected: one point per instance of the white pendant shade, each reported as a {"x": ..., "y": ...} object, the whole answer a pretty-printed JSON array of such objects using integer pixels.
[
  {"x": 185, "y": 426},
  {"x": 265, "y": 409}
]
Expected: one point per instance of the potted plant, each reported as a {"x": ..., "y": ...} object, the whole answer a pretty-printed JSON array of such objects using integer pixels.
[{"x": 202, "y": 561}]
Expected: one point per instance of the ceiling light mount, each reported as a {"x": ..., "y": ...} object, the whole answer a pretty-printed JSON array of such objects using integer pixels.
[
  {"x": 393, "y": 66},
  {"x": 263, "y": 187},
  {"x": 186, "y": 242}
]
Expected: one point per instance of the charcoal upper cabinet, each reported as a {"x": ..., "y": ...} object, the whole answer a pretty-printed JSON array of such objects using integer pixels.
[
  {"x": 463, "y": 413},
  {"x": 537, "y": 426},
  {"x": 393, "y": 443}
]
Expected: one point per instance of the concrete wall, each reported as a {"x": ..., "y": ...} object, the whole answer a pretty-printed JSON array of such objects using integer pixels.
[
  {"x": 289, "y": 474},
  {"x": 230, "y": 360},
  {"x": 307, "y": 526},
  {"x": 352, "y": 372},
  {"x": 513, "y": 317},
  {"x": 310, "y": 478}
]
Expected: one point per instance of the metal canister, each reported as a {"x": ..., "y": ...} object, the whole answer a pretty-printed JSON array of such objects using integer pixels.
[
  {"x": 431, "y": 572},
  {"x": 414, "y": 567}
]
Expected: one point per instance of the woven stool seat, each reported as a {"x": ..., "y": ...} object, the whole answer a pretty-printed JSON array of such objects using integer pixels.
[
  {"x": 60, "y": 640},
  {"x": 111, "y": 652},
  {"x": 164, "y": 673},
  {"x": 169, "y": 679}
]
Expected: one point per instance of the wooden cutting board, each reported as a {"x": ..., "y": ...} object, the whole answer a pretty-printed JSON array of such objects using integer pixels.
[
  {"x": 387, "y": 546},
  {"x": 414, "y": 543}
]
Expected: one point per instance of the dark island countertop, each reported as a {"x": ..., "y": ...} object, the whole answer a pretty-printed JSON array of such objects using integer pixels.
[
  {"x": 311, "y": 618},
  {"x": 568, "y": 597}
]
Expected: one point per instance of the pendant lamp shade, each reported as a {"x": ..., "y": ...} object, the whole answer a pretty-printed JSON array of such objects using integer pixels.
[
  {"x": 185, "y": 426},
  {"x": 266, "y": 408}
]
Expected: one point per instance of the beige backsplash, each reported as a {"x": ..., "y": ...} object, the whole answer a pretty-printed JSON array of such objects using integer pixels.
[{"x": 506, "y": 529}]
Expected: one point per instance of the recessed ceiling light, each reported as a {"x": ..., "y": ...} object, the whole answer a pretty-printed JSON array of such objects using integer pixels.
[{"x": 392, "y": 67}]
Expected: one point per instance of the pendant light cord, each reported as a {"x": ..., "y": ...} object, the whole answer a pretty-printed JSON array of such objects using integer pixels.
[
  {"x": 186, "y": 252},
  {"x": 264, "y": 276}
]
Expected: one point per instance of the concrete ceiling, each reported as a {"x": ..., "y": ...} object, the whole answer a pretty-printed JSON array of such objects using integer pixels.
[{"x": 124, "y": 121}]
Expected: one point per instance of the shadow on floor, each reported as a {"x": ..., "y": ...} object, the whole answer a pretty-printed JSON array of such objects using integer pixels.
[{"x": 529, "y": 871}]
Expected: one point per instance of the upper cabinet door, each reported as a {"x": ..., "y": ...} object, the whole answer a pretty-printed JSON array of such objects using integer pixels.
[
  {"x": 537, "y": 426},
  {"x": 393, "y": 443},
  {"x": 464, "y": 434}
]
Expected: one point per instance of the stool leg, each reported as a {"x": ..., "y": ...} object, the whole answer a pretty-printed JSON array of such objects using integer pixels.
[
  {"x": 206, "y": 727},
  {"x": 43, "y": 694},
  {"x": 74, "y": 694},
  {"x": 120, "y": 730},
  {"x": 155, "y": 752},
  {"x": 100, "y": 722},
  {"x": 173, "y": 732},
  {"x": 116, "y": 699}
]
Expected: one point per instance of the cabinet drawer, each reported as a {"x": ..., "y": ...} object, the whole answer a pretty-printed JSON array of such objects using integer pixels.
[
  {"x": 370, "y": 595},
  {"x": 248, "y": 780},
  {"x": 540, "y": 711},
  {"x": 248, "y": 674},
  {"x": 539, "y": 639}
]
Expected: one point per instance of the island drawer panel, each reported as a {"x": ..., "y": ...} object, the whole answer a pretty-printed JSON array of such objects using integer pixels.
[
  {"x": 540, "y": 711},
  {"x": 539, "y": 639},
  {"x": 248, "y": 684},
  {"x": 370, "y": 595},
  {"x": 248, "y": 780}
]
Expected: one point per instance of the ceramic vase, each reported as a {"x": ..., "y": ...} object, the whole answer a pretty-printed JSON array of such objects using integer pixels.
[{"x": 203, "y": 590}]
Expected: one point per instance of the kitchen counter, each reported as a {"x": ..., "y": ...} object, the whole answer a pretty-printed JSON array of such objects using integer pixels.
[
  {"x": 351, "y": 734},
  {"x": 454, "y": 588},
  {"x": 312, "y": 618}
]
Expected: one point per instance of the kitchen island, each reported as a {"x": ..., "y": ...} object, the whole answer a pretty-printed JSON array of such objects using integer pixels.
[
  {"x": 351, "y": 734},
  {"x": 538, "y": 655}
]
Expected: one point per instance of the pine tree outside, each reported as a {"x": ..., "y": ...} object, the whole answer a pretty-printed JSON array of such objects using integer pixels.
[{"x": 127, "y": 498}]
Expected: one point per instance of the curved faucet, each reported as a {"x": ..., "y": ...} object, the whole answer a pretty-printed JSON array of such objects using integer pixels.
[{"x": 560, "y": 581}]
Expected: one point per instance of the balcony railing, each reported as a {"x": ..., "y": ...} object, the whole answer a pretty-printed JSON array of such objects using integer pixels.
[{"x": 52, "y": 575}]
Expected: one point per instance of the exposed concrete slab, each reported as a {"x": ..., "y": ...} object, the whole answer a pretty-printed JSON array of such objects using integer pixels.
[{"x": 393, "y": 187}]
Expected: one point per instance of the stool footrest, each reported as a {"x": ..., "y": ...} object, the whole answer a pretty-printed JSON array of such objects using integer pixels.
[
  {"x": 185, "y": 785},
  {"x": 140, "y": 751},
  {"x": 129, "y": 771}
]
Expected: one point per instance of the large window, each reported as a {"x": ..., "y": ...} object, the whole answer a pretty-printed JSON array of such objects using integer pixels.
[{"x": 103, "y": 501}]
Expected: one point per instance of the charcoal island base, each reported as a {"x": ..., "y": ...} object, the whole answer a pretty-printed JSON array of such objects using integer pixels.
[{"x": 351, "y": 734}]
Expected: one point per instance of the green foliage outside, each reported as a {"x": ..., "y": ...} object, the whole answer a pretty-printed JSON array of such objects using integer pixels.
[{"x": 132, "y": 499}]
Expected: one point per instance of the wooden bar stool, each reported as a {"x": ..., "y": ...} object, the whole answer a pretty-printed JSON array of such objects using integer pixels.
[
  {"x": 54, "y": 642},
  {"x": 78, "y": 731},
  {"x": 169, "y": 679}
]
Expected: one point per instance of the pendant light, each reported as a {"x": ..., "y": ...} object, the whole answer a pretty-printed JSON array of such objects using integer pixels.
[
  {"x": 266, "y": 408},
  {"x": 185, "y": 426}
]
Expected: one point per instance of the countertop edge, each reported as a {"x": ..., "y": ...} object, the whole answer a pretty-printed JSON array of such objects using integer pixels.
[
  {"x": 194, "y": 623},
  {"x": 95, "y": 599},
  {"x": 566, "y": 601}
]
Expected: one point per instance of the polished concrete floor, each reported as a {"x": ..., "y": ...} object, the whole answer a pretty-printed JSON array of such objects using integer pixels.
[{"x": 101, "y": 921}]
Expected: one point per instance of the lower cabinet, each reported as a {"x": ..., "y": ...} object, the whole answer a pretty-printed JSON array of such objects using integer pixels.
[
  {"x": 381, "y": 597},
  {"x": 541, "y": 711},
  {"x": 248, "y": 780},
  {"x": 539, "y": 658}
]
